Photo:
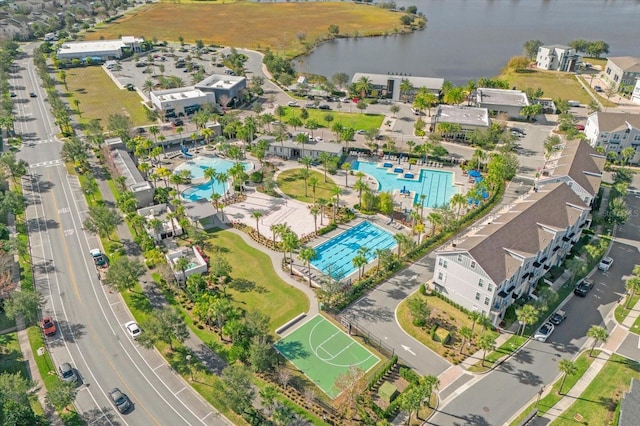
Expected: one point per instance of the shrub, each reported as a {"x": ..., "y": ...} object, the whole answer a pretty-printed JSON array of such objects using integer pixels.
[
  {"x": 423, "y": 289},
  {"x": 257, "y": 177},
  {"x": 442, "y": 335},
  {"x": 409, "y": 375}
]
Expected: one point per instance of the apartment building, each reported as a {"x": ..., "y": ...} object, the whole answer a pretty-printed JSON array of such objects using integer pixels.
[
  {"x": 557, "y": 58},
  {"x": 501, "y": 260},
  {"x": 614, "y": 132}
]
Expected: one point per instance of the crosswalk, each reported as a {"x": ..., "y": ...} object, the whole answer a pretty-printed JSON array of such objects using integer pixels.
[{"x": 51, "y": 163}]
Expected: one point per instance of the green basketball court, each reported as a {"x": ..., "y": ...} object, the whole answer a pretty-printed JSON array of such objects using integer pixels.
[{"x": 322, "y": 351}]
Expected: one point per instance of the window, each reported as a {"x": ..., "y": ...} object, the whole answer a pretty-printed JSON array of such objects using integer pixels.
[
  {"x": 473, "y": 264},
  {"x": 459, "y": 258},
  {"x": 486, "y": 301},
  {"x": 480, "y": 283},
  {"x": 477, "y": 296},
  {"x": 441, "y": 276},
  {"x": 636, "y": 137},
  {"x": 616, "y": 136},
  {"x": 490, "y": 287}
]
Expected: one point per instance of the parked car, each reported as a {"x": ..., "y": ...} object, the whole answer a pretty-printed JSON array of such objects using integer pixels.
[
  {"x": 120, "y": 400},
  {"x": 68, "y": 373},
  {"x": 598, "y": 89},
  {"x": 605, "y": 263},
  {"x": 33, "y": 95},
  {"x": 558, "y": 317},
  {"x": 415, "y": 111},
  {"x": 133, "y": 329},
  {"x": 13, "y": 94},
  {"x": 361, "y": 132},
  {"x": 293, "y": 104},
  {"x": 324, "y": 106},
  {"x": 310, "y": 105},
  {"x": 544, "y": 332},
  {"x": 319, "y": 139},
  {"x": 579, "y": 127},
  {"x": 178, "y": 122},
  {"x": 518, "y": 130},
  {"x": 48, "y": 326},
  {"x": 583, "y": 287}
]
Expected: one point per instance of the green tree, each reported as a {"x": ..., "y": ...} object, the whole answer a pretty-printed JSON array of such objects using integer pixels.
[
  {"x": 567, "y": 368},
  {"x": 307, "y": 254},
  {"x": 123, "y": 273},
  {"x": 102, "y": 221},
  {"x": 238, "y": 387},
  {"x": 598, "y": 334},
  {"x": 633, "y": 286},
  {"x": 61, "y": 394},
  {"x": 163, "y": 325},
  {"x": 25, "y": 303},
  {"x": 257, "y": 214},
  {"x": 531, "y": 48},
  {"x": 486, "y": 342},
  {"x": 467, "y": 334},
  {"x": 527, "y": 315},
  {"x": 363, "y": 86}
]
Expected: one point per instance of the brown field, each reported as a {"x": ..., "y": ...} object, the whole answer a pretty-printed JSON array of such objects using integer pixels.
[{"x": 252, "y": 25}]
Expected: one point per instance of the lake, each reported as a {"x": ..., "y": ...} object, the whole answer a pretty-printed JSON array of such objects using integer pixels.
[{"x": 468, "y": 39}]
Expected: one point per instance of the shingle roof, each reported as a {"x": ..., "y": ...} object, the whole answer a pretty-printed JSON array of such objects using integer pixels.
[
  {"x": 626, "y": 63},
  {"x": 615, "y": 121},
  {"x": 630, "y": 405},
  {"x": 524, "y": 230},
  {"x": 582, "y": 163}
]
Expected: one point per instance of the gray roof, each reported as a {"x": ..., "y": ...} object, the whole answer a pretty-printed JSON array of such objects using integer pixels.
[
  {"x": 222, "y": 81},
  {"x": 556, "y": 46},
  {"x": 630, "y": 405},
  {"x": 616, "y": 121},
  {"x": 487, "y": 96},
  {"x": 465, "y": 116},
  {"x": 582, "y": 163},
  {"x": 417, "y": 82},
  {"x": 127, "y": 168},
  {"x": 524, "y": 230},
  {"x": 331, "y": 148},
  {"x": 626, "y": 63}
]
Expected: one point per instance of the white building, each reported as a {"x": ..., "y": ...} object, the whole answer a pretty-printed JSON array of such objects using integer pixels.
[
  {"x": 505, "y": 101},
  {"x": 578, "y": 165},
  {"x": 388, "y": 85},
  {"x": 103, "y": 49},
  {"x": 614, "y": 132},
  {"x": 502, "y": 260},
  {"x": 197, "y": 264},
  {"x": 635, "y": 95},
  {"x": 557, "y": 58},
  {"x": 166, "y": 226},
  {"x": 468, "y": 118},
  {"x": 622, "y": 70},
  {"x": 180, "y": 101}
]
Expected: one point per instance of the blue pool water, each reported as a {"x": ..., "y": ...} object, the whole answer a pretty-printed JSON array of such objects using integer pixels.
[
  {"x": 436, "y": 185},
  {"x": 197, "y": 167},
  {"x": 335, "y": 255}
]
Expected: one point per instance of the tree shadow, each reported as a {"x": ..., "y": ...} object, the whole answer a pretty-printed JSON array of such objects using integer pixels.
[
  {"x": 43, "y": 266},
  {"x": 292, "y": 350},
  {"x": 523, "y": 357},
  {"x": 142, "y": 302},
  {"x": 104, "y": 416},
  {"x": 68, "y": 333},
  {"x": 367, "y": 310},
  {"x": 242, "y": 285},
  {"x": 526, "y": 377},
  {"x": 207, "y": 355}
]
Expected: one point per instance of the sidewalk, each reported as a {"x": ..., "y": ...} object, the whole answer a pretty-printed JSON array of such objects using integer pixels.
[{"x": 633, "y": 315}]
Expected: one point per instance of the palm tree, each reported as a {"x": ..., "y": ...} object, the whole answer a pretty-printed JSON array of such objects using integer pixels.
[
  {"x": 336, "y": 191},
  {"x": 325, "y": 159},
  {"x": 346, "y": 166},
  {"x": 599, "y": 334},
  {"x": 405, "y": 88},
  {"x": 209, "y": 173},
  {"x": 401, "y": 241},
  {"x": 486, "y": 342},
  {"x": 467, "y": 334},
  {"x": 633, "y": 286},
  {"x": 360, "y": 186},
  {"x": 359, "y": 262},
  {"x": 568, "y": 368},
  {"x": 304, "y": 174},
  {"x": 315, "y": 210},
  {"x": 222, "y": 178},
  {"x": 257, "y": 214},
  {"x": 290, "y": 242},
  {"x": 435, "y": 219},
  {"x": 528, "y": 314},
  {"x": 313, "y": 182},
  {"x": 322, "y": 203},
  {"x": 458, "y": 201},
  {"x": 215, "y": 200},
  {"x": 307, "y": 254},
  {"x": 363, "y": 86},
  {"x": 147, "y": 86}
]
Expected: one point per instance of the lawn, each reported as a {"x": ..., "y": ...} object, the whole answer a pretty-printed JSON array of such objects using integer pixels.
[
  {"x": 447, "y": 317},
  {"x": 258, "y": 287},
  {"x": 583, "y": 362},
  {"x": 277, "y": 26},
  {"x": 11, "y": 360},
  {"x": 621, "y": 311},
  {"x": 354, "y": 120},
  {"x": 514, "y": 343},
  {"x": 99, "y": 97},
  {"x": 555, "y": 85},
  {"x": 597, "y": 404},
  {"x": 291, "y": 183}
]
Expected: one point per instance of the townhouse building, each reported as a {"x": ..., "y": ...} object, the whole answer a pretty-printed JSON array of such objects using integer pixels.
[
  {"x": 387, "y": 86},
  {"x": 503, "y": 259},
  {"x": 622, "y": 71},
  {"x": 557, "y": 58},
  {"x": 613, "y": 132}
]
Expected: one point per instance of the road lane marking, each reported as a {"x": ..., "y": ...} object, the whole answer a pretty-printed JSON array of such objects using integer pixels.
[
  {"x": 176, "y": 393},
  {"x": 161, "y": 365}
]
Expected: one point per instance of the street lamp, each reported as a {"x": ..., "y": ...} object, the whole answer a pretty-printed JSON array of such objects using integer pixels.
[{"x": 188, "y": 358}]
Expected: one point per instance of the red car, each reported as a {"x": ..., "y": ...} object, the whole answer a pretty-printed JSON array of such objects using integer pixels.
[
  {"x": 579, "y": 127},
  {"x": 48, "y": 326}
]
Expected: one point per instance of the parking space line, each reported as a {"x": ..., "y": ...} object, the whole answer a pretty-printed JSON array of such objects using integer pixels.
[
  {"x": 161, "y": 365},
  {"x": 115, "y": 303},
  {"x": 176, "y": 393},
  {"x": 210, "y": 413}
]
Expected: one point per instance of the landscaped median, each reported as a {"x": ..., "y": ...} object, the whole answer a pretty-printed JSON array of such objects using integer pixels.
[{"x": 582, "y": 363}]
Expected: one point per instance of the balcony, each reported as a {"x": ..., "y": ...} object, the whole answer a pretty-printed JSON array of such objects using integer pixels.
[{"x": 537, "y": 264}]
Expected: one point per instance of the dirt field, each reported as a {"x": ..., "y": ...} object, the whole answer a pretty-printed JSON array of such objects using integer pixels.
[{"x": 279, "y": 26}]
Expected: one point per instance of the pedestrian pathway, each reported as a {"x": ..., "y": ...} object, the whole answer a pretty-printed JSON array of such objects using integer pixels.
[{"x": 633, "y": 315}]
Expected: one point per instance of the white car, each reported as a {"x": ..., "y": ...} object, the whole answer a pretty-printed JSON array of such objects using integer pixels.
[
  {"x": 293, "y": 104},
  {"x": 544, "y": 332},
  {"x": 133, "y": 329},
  {"x": 319, "y": 139},
  {"x": 605, "y": 263}
]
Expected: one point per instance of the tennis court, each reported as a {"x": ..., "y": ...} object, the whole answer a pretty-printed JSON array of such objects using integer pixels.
[{"x": 323, "y": 352}]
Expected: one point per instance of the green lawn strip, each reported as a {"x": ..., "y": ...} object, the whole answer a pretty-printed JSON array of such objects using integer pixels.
[
  {"x": 622, "y": 311},
  {"x": 12, "y": 360},
  {"x": 510, "y": 346},
  {"x": 355, "y": 120},
  {"x": 99, "y": 97},
  {"x": 635, "y": 328},
  {"x": 258, "y": 286},
  {"x": 583, "y": 362},
  {"x": 308, "y": 415},
  {"x": 292, "y": 184},
  {"x": 598, "y": 402},
  {"x": 603, "y": 100}
]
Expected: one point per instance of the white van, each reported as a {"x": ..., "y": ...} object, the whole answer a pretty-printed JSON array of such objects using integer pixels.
[{"x": 573, "y": 103}]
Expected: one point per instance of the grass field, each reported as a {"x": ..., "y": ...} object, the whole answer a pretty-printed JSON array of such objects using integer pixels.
[
  {"x": 11, "y": 360},
  {"x": 258, "y": 287},
  {"x": 99, "y": 97},
  {"x": 290, "y": 182},
  {"x": 555, "y": 85},
  {"x": 355, "y": 119},
  {"x": 277, "y": 26},
  {"x": 324, "y": 352},
  {"x": 582, "y": 364},
  {"x": 597, "y": 404}
]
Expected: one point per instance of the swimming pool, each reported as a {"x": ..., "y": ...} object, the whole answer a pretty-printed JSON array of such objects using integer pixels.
[
  {"x": 197, "y": 167},
  {"x": 334, "y": 257},
  {"x": 436, "y": 185}
]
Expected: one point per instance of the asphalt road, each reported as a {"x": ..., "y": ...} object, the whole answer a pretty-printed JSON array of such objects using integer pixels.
[
  {"x": 90, "y": 319},
  {"x": 492, "y": 399}
]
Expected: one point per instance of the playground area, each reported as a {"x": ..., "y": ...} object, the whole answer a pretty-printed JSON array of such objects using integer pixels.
[{"x": 323, "y": 352}]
